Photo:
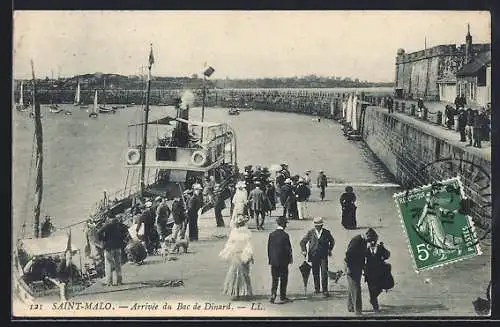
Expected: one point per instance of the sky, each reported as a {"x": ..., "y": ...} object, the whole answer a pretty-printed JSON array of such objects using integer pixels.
[{"x": 238, "y": 44}]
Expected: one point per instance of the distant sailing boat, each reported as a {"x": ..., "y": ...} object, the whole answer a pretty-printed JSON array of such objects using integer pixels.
[
  {"x": 349, "y": 110},
  {"x": 54, "y": 108},
  {"x": 77, "y": 95},
  {"x": 78, "y": 100},
  {"x": 95, "y": 108},
  {"x": 103, "y": 109},
  {"x": 21, "y": 106}
]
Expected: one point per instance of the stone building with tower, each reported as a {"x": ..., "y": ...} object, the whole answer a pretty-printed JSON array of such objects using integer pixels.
[{"x": 431, "y": 73}]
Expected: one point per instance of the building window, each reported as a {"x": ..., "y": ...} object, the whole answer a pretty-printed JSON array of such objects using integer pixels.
[{"x": 471, "y": 91}]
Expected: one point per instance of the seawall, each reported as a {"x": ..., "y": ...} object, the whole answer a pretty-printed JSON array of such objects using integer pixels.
[{"x": 418, "y": 155}]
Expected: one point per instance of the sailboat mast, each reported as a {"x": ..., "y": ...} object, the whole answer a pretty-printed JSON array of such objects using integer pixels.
[
  {"x": 146, "y": 119},
  {"x": 39, "y": 159},
  {"x": 104, "y": 91},
  {"x": 77, "y": 95},
  {"x": 21, "y": 100}
]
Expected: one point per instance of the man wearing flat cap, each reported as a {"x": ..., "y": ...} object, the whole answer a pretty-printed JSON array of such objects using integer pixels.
[
  {"x": 321, "y": 244},
  {"x": 279, "y": 252},
  {"x": 354, "y": 263}
]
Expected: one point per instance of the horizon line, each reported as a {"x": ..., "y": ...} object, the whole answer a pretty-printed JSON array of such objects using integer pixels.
[{"x": 220, "y": 78}]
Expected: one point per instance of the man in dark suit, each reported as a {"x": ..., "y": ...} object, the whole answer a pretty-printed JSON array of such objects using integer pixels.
[
  {"x": 279, "y": 252},
  {"x": 321, "y": 244},
  {"x": 259, "y": 204},
  {"x": 354, "y": 263}
]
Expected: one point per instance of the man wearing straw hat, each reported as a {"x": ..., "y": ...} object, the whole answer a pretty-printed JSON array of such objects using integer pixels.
[
  {"x": 279, "y": 252},
  {"x": 321, "y": 243}
]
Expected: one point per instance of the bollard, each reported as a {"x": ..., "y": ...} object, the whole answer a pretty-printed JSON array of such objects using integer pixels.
[
  {"x": 439, "y": 118},
  {"x": 412, "y": 109}
]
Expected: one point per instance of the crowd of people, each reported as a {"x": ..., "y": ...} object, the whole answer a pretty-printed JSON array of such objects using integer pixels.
[
  {"x": 253, "y": 198},
  {"x": 474, "y": 125},
  {"x": 364, "y": 252}
]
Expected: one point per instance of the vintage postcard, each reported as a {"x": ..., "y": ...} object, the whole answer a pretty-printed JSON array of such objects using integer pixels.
[{"x": 244, "y": 164}]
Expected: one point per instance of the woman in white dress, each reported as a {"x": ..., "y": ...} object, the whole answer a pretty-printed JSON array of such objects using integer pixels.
[
  {"x": 240, "y": 200},
  {"x": 239, "y": 252}
]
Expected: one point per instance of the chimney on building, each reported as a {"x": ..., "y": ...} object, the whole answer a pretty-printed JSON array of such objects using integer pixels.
[{"x": 468, "y": 46}]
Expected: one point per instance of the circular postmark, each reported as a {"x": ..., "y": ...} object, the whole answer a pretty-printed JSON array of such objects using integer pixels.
[{"x": 468, "y": 196}]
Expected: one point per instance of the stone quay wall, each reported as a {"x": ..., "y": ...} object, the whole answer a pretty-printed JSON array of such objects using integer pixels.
[{"x": 416, "y": 156}]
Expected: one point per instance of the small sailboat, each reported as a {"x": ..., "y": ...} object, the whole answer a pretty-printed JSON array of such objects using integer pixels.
[
  {"x": 77, "y": 95},
  {"x": 78, "y": 101},
  {"x": 103, "y": 109},
  {"x": 95, "y": 108},
  {"x": 354, "y": 134},
  {"x": 21, "y": 106}
]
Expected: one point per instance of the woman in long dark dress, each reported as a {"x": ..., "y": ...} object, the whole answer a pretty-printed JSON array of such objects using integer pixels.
[{"x": 347, "y": 202}]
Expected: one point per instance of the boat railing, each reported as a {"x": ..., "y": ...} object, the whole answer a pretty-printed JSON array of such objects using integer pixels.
[{"x": 129, "y": 189}]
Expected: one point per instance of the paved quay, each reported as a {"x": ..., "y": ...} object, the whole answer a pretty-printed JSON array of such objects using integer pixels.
[{"x": 445, "y": 291}]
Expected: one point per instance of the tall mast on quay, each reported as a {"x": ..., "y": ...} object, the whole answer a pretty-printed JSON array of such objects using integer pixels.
[{"x": 146, "y": 118}]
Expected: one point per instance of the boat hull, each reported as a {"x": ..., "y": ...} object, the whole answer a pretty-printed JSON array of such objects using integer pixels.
[{"x": 105, "y": 110}]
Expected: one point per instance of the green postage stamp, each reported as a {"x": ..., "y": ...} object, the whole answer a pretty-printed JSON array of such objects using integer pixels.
[{"x": 439, "y": 230}]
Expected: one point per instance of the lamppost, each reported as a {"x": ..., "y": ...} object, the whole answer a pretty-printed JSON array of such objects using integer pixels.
[{"x": 207, "y": 73}]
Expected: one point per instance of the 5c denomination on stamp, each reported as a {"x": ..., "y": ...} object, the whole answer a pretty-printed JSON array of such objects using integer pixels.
[{"x": 439, "y": 231}]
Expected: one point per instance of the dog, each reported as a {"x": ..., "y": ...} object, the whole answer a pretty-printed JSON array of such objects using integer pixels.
[
  {"x": 335, "y": 276},
  {"x": 182, "y": 243},
  {"x": 165, "y": 250},
  {"x": 177, "y": 244}
]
